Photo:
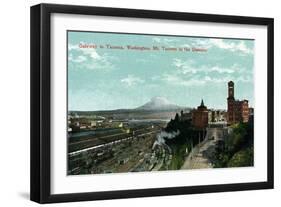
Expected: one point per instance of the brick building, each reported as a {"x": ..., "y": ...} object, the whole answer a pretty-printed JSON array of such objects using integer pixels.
[
  {"x": 237, "y": 111},
  {"x": 200, "y": 116}
]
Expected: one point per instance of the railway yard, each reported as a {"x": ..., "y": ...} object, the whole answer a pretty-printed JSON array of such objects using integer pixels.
[{"x": 118, "y": 150}]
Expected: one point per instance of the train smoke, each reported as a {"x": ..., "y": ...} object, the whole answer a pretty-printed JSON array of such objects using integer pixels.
[{"x": 160, "y": 140}]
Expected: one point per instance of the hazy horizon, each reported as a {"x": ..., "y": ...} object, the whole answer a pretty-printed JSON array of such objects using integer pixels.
[{"x": 182, "y": 107}]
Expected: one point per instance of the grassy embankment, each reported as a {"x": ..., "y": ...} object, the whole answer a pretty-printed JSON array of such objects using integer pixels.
[{"x": 237, "y": 150}]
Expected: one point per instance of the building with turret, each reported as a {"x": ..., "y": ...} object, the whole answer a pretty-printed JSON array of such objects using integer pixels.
[
  {"x": 237, "y": 111},
  {"x": 200, "y": 116}
]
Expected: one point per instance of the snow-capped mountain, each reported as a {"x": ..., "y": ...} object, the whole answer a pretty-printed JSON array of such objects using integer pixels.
[{"x": 159, "y": 103}]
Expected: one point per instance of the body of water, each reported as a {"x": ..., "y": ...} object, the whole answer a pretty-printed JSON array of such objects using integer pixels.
[{"x": 93, "y": 132}]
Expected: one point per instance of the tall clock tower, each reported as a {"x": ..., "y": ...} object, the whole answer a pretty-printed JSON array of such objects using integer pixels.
[
  {"x": 230, "y": 103},
  {"x": 231, "y": 90},
  {"x": 237, "y": 111}
]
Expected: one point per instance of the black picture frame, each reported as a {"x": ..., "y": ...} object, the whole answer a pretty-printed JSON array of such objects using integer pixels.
[{"x": 41, "y": 95}]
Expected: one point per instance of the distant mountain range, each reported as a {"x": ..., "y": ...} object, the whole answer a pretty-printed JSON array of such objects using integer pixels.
[{"x": 155, "y": 104}]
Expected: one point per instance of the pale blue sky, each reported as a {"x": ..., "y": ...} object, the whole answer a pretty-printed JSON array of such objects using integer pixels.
[{"x": 104, "y": 79}]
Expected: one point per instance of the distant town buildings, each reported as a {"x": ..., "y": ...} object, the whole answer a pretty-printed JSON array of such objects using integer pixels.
[
  {"x": 200, "y": 116},
  {"x": 186, "y": 116},
  {"x": 81, "y": 123},
  {"x": 237, "y": 111},
  {"x": 217, "y": 115}
]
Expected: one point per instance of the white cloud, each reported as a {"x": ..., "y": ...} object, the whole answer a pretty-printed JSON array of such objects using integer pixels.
[
  {"x": 87, "y": 51},
  {"x": 245, "y": 79},
  {"x": 156, "y": 39},
  {"x": 170, "y": 40},
  {"x": 222, "y": 70},
  {"x": 202, "y": 43},
  {"x": 185, "y": 67},
  {"x": 165, "y": 41},
  {"x": 188, "y": 67},
  {"x": 92, "y": 53},
  {"x": 72, "y": 47},
  {"x": 78, "y": 59},
  {"x": 242, "y": 47},
  {"x": 174, "y": 79},
  {"x": 88, "y": 58},
  {"x": 207, "y": 43},
  {"x": 237, "y": 46},
  {"x": 131, "y": 80},
  {"x": 201, "y": 79},
  {"x": 186, "y": 45}
]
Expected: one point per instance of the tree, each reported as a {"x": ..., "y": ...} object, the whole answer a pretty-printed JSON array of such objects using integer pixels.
[{"x": 177, "y": 118}]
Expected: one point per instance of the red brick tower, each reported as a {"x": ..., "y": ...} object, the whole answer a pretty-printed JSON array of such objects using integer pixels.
[
  {"x": 200, "y": 116},
  {"x": 237, "y": 111},
  {"x": 230, "y": 103}
]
